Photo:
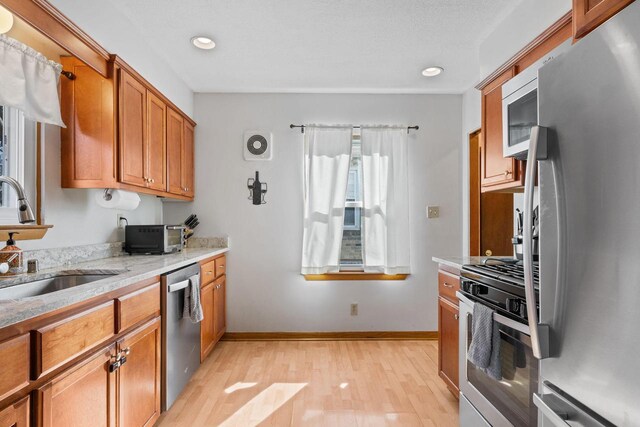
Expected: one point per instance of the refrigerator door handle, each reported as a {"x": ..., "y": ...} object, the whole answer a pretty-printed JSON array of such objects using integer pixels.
[
  {"x": 557, "y": 418},
  {"x": 539, "y": 333}
]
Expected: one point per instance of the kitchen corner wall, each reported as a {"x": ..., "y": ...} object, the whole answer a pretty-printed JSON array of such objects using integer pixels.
[{"x": 266, "y": 291}]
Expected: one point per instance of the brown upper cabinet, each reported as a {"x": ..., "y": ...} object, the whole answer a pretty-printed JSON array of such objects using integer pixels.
[
  {"x": 179, "y": 154},
  {"x": 497, "y": 172},
  {"x": 589, "y": 14},
  {"x": 132, "y": 147},
  {"x": 89, "y": 140},
  {"x": 133, "y": 138}
]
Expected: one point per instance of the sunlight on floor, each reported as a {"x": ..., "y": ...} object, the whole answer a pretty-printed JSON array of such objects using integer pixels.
[
  {"x": 238, "y": 386},
  {"x": 264, "y": 404}
]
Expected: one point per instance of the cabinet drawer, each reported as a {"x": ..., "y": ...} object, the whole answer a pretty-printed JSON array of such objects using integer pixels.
[
  {"x": 68, "y": 338},
  {"x": 14, "y": 374},
  {"x": 138, "y": 306},
  {"x": 221, "y": 266},
  {"x": 448, "y": 284},
  {"x": 207, "y": 272}
]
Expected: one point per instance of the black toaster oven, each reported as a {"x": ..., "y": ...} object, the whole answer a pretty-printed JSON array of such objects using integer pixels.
[{"x": 153, "y": 239}]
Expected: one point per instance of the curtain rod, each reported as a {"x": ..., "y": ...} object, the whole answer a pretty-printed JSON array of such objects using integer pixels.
[
  {"x": 416, "y": 127},
  {"x": 68, "y": 74}
]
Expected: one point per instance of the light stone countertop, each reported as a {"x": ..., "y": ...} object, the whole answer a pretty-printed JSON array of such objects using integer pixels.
[
  {"x": 130, "y": 269},
  {"x": 458, "y": 261}
]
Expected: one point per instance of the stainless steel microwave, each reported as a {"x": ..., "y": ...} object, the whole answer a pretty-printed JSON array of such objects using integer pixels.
[
  {"x": 153, "y": 239},
  {"x": 520, "y": 106}
]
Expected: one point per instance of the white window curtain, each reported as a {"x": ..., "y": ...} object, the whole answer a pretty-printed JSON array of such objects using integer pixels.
[
  {"x": 29, "y": 82},
  {"x": 385, "y": 234},
  {"x": 327, "y": 153}
]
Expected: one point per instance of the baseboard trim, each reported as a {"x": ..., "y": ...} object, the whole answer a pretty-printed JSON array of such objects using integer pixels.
[{"x": 331, "y": 336}]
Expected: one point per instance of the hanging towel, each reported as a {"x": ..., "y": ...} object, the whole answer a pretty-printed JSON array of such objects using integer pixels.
[
  {"x": 479, "y": 352},
  {"x": 494, "y": 370},
  {"x": 192, "y": 307}
]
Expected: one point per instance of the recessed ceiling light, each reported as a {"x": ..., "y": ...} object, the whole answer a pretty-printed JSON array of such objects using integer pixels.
[
  {"x": 6, "y": 20},
  {"x": 432, "y": 71},
  {"x": 203, "y": 42}
]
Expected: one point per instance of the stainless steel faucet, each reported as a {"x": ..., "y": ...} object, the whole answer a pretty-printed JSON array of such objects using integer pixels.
[{"x": 25, "y": 214}]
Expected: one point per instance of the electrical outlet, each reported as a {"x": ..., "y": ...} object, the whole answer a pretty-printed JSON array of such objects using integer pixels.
[
  {"x": 354, "y": 309},
  {"x": 120, "y": 218},
  {"x": 433, "y": 211}
]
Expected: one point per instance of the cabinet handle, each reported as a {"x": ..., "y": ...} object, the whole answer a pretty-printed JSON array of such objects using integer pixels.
[
  {"x": 209, "y": 272},
  {"x": 447, "y": 285}
]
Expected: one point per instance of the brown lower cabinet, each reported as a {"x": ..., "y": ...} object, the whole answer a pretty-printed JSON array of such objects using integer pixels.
[
  {"x": 16, "y": 415},
  {"x": 448, "y": 319},
  {"x": 92, "y": 394},
  {"x": 92, "y": 365},
  {"x": 214, "y": 303}
]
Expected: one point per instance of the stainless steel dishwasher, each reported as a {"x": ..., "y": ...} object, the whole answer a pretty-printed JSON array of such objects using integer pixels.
[{"x": 180, "y": 337}]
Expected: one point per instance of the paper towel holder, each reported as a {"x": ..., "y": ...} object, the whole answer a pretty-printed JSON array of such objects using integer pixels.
[{"x": 107, "y": 194}]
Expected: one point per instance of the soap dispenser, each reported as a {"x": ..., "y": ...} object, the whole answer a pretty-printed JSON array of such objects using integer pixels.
[{"x": 12, "y": 255}]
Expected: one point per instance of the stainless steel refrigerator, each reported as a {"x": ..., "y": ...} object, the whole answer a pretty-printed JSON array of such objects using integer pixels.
[{"x": 589, "y": 99}]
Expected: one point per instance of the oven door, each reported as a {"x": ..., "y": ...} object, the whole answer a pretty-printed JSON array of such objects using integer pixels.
[
  {"x": 174, "y": 238},
  {"x": 508, "y": 401}
]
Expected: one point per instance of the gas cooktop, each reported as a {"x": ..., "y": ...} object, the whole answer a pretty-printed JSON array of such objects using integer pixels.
[{"x": 509, "y": 271}]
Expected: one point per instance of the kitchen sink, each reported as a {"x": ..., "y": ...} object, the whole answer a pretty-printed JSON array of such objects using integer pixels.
[{"x": 51, "y": 284}]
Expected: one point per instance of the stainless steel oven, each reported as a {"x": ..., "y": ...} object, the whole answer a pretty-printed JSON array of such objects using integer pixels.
[
  {"x": 520, "y": 106},
  {"x": 509, "y": 401}
]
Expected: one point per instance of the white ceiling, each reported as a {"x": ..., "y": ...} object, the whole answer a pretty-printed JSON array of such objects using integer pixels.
[{"x": 361, "y": 46}]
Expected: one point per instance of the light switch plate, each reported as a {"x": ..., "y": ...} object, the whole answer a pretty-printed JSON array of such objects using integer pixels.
[{"x": 433, "y": 211}]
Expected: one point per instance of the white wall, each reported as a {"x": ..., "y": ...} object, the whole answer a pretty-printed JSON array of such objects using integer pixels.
[
  {"x": 266, "y": 291},
  {"x": 74, "y": 214},
  {"x": 525, "y": 22},
  {"x": 118, "y": 35}
]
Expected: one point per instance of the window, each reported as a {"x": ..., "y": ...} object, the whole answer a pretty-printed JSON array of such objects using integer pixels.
[
  {"x": 351, "y": 252},
  {"x": 15, "y": 153}
]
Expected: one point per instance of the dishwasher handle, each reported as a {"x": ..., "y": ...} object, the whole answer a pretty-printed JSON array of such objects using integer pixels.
[{"x": 175, "y": 287}]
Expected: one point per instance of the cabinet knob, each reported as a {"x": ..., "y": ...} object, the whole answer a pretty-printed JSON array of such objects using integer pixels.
[
  {"x": 152, "y": 180},
  {"x": 126, "y": 351},
  {"x": 488, "y": 252},
  {"x": 455, "y": 316},
  {"x": 507, "y": 172}
]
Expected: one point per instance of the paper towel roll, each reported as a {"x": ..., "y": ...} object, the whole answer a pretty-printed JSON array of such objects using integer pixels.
[{"x": 120, "y": 199}]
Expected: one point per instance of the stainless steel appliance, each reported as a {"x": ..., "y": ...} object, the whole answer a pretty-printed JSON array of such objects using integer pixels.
[
  {"x": 153, "y": 239},
  {"x": 180, "y": 337},
  {"x": 520, "y": 106},
  {"x": 589, "y": 100},
  {"x": 508, "y": 401}
]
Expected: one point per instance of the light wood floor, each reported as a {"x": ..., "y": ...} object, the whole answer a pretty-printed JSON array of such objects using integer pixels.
[{"x": 317, "y": 383}]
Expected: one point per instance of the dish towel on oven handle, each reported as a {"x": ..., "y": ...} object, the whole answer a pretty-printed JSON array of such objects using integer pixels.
[
  {"x": 484, "y": 350},
  {"x": 192, "y": 307}
]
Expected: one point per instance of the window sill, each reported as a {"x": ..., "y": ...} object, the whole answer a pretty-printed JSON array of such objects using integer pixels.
[{"x": 355, "y": 275}]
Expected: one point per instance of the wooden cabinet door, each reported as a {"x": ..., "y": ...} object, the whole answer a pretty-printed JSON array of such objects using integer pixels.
[
  {"x": 589, "y": 14},
  {"x": 16, "y": 415},
  {"x": 88, "y": 143},
  {"x": 207, "y": 326},
  {"x": 497, "y": 171},
  {"x": 84, "y": 396},
  {"x": 175, "y": 137},
  {"x": 133, "y": 146},
  {"x": 220, "y": 307},
  {"x": 448, "y": 343},
  {"x": 156, "y": 162},
  {"x": 139, "y": 377},
  {"x": 188, "y": 168}
]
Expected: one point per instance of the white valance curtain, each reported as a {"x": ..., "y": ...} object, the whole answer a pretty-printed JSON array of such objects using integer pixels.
[
  {"x": 385, "y": 234},
  {"x": 29, "y": 82},
  {"x": 327, "y": 154}
]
